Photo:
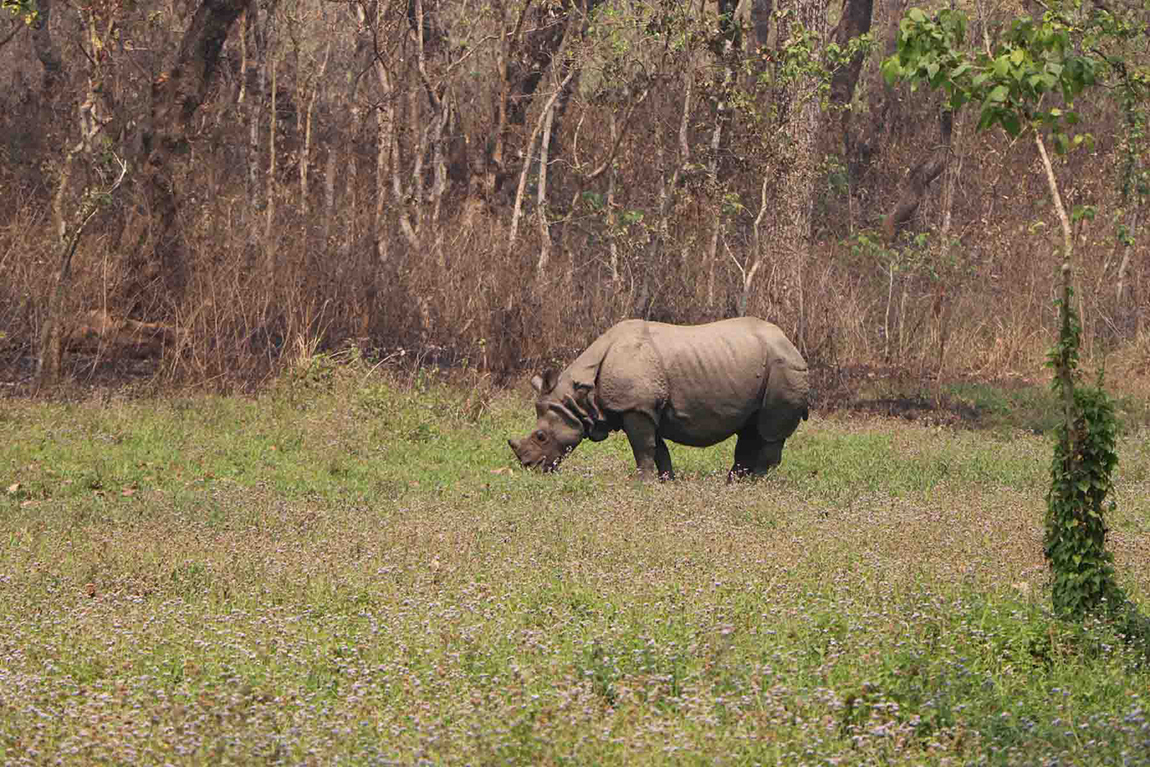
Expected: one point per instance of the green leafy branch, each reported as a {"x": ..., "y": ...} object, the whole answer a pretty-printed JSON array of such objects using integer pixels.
[
  {"x": 1014, "y": 84},
  {"x": 1029, "y": 78}
]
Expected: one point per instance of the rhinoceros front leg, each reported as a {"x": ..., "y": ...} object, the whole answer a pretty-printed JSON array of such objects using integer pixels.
[{"x": 651, "y": 453}]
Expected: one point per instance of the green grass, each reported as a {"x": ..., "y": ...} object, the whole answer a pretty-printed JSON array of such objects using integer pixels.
[
  {"x": 1033, "y": 407},
  {"x": 344, "y": 569}
]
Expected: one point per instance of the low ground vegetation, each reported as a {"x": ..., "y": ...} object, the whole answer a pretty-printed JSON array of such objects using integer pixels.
[{"x": 348, "y": 569}]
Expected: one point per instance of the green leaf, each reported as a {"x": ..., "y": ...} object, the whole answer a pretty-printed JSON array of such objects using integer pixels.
[
  {"x": 916, "y": 15},
  {"x": 1011, "y": 124},
  {"x": 999, "y": 94},
  {"x": 891, "y": 70}
]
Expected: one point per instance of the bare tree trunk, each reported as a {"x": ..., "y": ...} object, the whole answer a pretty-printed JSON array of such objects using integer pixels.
[
  {"x": 329, "y": 192},
  {"x": 713, "y": 173},
  {"x": 305, "y": 155},
  {"x": 383, "y": 149},
  {"x": 51, "y": 333},
  {"x": 252, "y": 113},
  {"x": 517, "y": 213},
  {"x": 269, "y": 222},
  {"x": 68, "y": 229},
  {"x": 351, "y": 193},
  {"x": 613, "y": 241},
  {"x": 1124, "y": 266},
  {"x": 439, "y": 180},
  {"x": 1062, "y": 371},
  {"x": 176, "y": 96},
  {"x": 684, "y": 151},
  {"x": 386, "y": 163},
  {"x": 759, "y": 250},
  {"x": 799, "y": 102},
  {"x": 919, "y": 178},
  {"x": 541, "y": 194},
  {"x": 45, "y": 47},
  {"x": 242, "y": 95}
]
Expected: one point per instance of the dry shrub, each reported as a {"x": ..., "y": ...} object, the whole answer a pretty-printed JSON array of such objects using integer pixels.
[{"x": 460, "y": 297}]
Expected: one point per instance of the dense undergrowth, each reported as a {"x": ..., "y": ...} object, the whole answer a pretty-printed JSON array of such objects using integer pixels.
[{"x": 347, "y": 568}]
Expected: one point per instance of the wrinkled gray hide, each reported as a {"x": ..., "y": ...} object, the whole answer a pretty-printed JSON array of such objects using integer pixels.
[{"x": 690, "y": 384}]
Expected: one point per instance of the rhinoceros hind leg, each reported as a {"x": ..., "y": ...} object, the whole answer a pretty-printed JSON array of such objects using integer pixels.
[{"x": 755, "y": 456}]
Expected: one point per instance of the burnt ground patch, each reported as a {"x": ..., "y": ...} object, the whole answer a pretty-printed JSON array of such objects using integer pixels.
[
  {"x": 960, "y": 401},
  {"x": 973, "y": 402}
]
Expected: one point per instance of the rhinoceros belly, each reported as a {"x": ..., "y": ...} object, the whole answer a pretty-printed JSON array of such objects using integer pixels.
[{"x": 706, "y": 424}]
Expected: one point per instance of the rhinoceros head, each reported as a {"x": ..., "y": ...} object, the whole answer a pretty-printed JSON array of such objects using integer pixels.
[{"x": 564, "y": 418}]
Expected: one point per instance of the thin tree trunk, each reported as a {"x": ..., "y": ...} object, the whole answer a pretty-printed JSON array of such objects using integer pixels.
[
  {"x": 386, "y": 161},
  {"x": 759, "y": 248},
  {"x": 243, "y": 61},
  {"x": 683, "y": 160},
  {"x": 269, "y": 222},
  {"x": 799, "y": 102},
  {"x": 1124, "y": 265},
  {"x": 713, "y": 173},
  {"x": 383, "y": 150},
  {"x": 329, "y": 192},
  {"x": 1063, "y": 371},
  {"x": 305, "y": 155},
  {"x": 351, "y": 193},
  {"x": 517, "y": 213},
  {"x": 439, "y": 180},
  {"x": 251, "y": 110},
  {"x": 541, "y": 194},
  {"x": 51, "y": 334},
  {"x": 612, "y": 232}
]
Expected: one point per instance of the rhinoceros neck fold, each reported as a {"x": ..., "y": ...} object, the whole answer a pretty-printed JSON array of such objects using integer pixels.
[{"x": 563, "y": 409}]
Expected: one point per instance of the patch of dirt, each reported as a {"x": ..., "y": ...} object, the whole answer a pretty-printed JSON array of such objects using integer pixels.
[{"x": 890, "y": 392}]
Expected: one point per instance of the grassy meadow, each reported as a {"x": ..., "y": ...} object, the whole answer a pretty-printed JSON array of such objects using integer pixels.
[{"x": 346, "y": 569}]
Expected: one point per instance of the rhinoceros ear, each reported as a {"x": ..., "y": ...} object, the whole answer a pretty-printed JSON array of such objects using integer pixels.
[{"x": 546, "y": 382}]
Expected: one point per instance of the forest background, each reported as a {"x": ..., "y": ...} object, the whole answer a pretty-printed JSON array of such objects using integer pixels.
[{"x": 199, "y": 189}]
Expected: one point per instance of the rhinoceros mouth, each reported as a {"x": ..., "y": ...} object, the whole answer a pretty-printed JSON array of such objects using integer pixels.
[{"x": 545, "y": 463}]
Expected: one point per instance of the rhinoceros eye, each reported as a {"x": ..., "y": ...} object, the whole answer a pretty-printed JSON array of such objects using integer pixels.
[{"x": 540, "y": 436}]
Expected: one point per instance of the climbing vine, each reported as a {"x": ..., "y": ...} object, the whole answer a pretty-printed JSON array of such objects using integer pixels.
[
  {"x": 1080, "y": 482},
  {"x": 1027, "y": 80}
]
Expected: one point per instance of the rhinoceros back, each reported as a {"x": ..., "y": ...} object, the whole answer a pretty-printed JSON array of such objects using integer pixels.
[{"x": 700, "y": 383}]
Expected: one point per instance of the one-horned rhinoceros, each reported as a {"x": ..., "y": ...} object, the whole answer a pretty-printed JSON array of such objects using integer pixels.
[{"x": 692, "y": 384}]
